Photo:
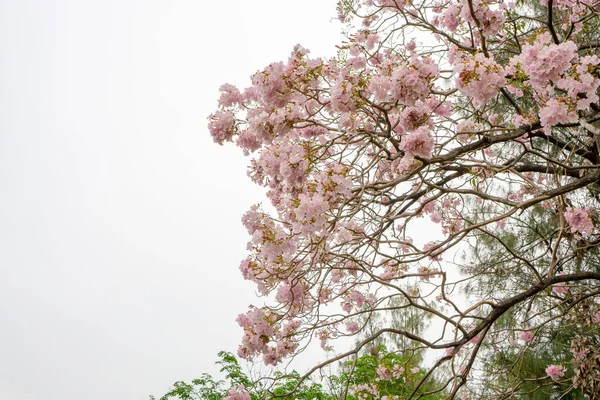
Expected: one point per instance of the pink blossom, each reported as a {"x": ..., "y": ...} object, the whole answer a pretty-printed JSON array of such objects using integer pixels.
[
  {"x": 406, "y": 83},
  {"x": 397, "y": 370},
  {"x": 426, "y": 272},
  {"x": 269, "y": 87},
  {"x": 310, "y": 206},
  {"x": 579, "y": 355},
  {"x": 419, "y": 143},
  {"x": 324, "y": 336},
  {"x": 519, "y": 121},
  {"x": 451, "y": 18},
  {"x": 344, "y": 235},
  {"x": 434, "y": 211},
  {"x": 526, "y": 336},
  {"x": 435, "y": 254},
  {"x": 556, "y": 112},
  {"x": 490, "y": 20},
  {"x": 560, "y": 288},
  {"x": 516, "y": 197},
  {"x": 366, "y": 388},
  {"x": 466, "y": 131},
  {"x": 221, "y": 126},
  {"x": 230, "y": 95},
  {"x": 408, "y": 86},
  {"x": 545, "y": 61},
  {"x": 555, "y": 372},
  {"x": 582, "y": 86},
  {"x": 341, "y": 96},
  {"x": 580, "y": 221},
  {"x": 286, "y": 293},
  {"x": 238, "y": 393},
  {"x": 371, "y": 40},
  {"x": 474, "y": 340},
  {"x": 383, "y": 373},
  {"x": 380, "y": 85},
  {"x": 357, "y": 298},
  {"x": 390, "y": 3},
  {"x": 415, "y": 116},
  {"x": 352, "y": 327},
  {"x": 389, "y": 272},
  {"x": 347, "y": 306},
  {"x": 479, "y": 78}
]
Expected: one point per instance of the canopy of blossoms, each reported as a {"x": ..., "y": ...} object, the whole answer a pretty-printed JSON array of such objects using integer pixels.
[{"x": 478, "y": 117}]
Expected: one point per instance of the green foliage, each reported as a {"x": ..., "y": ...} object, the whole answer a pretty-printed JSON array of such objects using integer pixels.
[
  {"x": 207, "y": 388},
  {"x": 232, "y": 369},
  {"x": 503, "y": 263},
  {"x": 353, "y": 375},
  {"x": 359, "y": 379},
  {"x": 308, "y": 390}
]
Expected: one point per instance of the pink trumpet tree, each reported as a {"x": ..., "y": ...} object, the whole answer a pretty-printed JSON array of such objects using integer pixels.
[{"x": 475, "y": 120}]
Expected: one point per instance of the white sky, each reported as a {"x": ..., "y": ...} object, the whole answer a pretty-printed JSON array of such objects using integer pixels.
[{"x": 120, "y": 233}]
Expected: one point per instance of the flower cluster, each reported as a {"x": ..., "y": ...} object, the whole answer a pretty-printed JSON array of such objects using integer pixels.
[
  {"x": 579, "y": 220},
  {"x": 237, "y": 393},
  {"x": 262, "y": 328},
  {"x": 555, "y": 372},
  {"x": 479, "y": 78}
]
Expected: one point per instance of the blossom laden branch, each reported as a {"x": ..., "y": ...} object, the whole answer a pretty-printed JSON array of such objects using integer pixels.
[{"x": 359, "y": 150}]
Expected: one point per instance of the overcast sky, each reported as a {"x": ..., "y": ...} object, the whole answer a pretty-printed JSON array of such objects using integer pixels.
[{"x": 120, "y": 233}]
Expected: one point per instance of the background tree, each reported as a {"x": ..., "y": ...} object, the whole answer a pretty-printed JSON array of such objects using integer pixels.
[
  {"x": 480, "y": 116},
  {"x": 239, "y": 386},
  {"x": 368, "y": 376},
  {"x": 380, "y": 374},
  {"x": 520, "y": 362}
]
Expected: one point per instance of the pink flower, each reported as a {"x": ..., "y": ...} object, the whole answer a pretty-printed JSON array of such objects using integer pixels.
[
  {"x": 479, "y": 78},
  {"x": 560, "y": 288},
  {"x": 519, "y": 121},
  {"x": 526, "y": 336},
  {"x": 311, "y": 206},
  {"x": 490, "y": 20},
  {"x": 451, "y": 19},
  {"x": 347, "y": 306},
  {"x": 341, "y": 96},
  {"x": 384, "y": 373},
  {"x": 419, "y": 143},
  {"x": 371, "y": 40},
  {"x": 435, "y": 254},
  {"x": 221, "y": 126},
  {"x": 544, "y": 61},
  {"x": 467, "y": 131},
  {"x": 579, "y": 355},
  {"x": 580, "y": 221},
  {"x": 415, "y": 116},
  {"x": 352, "y": 327},
  {"x": 555, "y": 372},
  {"x": 554, "y": 113},
  {"x": 230, "y": 95},
  {"x": 397, "y": 371},
  {"x": 238, "y": 393},
  {"x": 410, "y": 84}
]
